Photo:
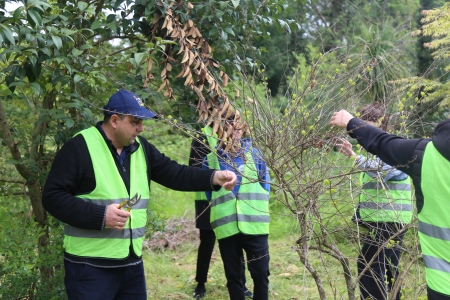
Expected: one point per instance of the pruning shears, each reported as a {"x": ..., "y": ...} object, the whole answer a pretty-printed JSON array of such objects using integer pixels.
[{"x": 130, "y": 202}]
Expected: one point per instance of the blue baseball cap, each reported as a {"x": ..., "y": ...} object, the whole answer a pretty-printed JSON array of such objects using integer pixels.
[{"x": 127, "y": 103}]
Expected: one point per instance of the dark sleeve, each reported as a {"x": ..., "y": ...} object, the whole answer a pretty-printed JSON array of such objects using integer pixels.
[
  {"x": 72, "y": 174},
  {"x": 170, "y": 174},
  {"x": 393, "y": 150},
  {"x": 199, "y": 149}
]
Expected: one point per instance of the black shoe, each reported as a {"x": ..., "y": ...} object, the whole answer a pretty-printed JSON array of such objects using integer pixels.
[
  {"x": 248, "y": 294},
  {"x": 199, "y": 292}
]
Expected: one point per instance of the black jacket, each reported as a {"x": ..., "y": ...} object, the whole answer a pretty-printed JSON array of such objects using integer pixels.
[
  {"x": 403, "y": 154},
  {"x": 202, "y": 209}
]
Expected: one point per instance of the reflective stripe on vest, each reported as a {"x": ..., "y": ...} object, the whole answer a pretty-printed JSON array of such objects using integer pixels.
[
  {"x": 110, "y": 188},
  {"x": 385, "y": 201},
  {"x": 434, "y": 223},
  {"x": 212, "y": 142},
  {"x": 247, "y": 212}
]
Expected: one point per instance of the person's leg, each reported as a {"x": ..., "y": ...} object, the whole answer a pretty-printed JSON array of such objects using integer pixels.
[
  {"x": 257, "y": 249},
  {"x": 247, "y": 292},
  {"x": 132, "y": 283},
  {"x": 231, "y": 252},
  {"x": 244, "y": 280},
  {"x": 392, "y": 255},
  {"x": 85, "y": 282},
  {"x": 372, "y": 283},
  {"x": 205, "y": 250}
]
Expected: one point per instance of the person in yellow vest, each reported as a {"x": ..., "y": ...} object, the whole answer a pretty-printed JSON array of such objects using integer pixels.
[
  {"x": 91, "y": 175},
  {"x": 200, "y": 147},
  {"x": 427, "y": 161},
  {"x": 240, "y": 217},
  {"x": 385, "y": 206}
]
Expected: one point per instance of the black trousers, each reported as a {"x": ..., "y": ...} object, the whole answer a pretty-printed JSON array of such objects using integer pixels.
[
  {"x": 205, "y": 250},
  {"x": 373, "y": 282},
  {"x": 85, "y": 282},
  {"x": 256, "y": 248},
  {"x": 432, "y": 295}
]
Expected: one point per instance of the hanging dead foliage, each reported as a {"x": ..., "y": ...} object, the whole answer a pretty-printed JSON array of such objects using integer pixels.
[{"x": 199, "y": 70}]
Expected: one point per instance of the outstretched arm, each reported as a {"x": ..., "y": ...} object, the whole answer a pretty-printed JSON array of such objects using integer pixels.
[{"x": 393, "y": 150}]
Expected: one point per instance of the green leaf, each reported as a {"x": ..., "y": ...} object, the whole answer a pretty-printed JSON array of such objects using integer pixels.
[
  {"x": 33, "y": 51},
  {"x": 68, "y": 66},
  {"x": 8, "y": 34},
  {"x": 66, "y": 31},
  {"x": 9, "y": 82},
  {"x": 86, "y": 46},
  {"x": 59, "y": 115},
  {"x": 139, "y": 57},
  {"x": 132, "y": 61},
  {"x": 36, "y": 68},
  {"x": 36, "y": 88},
  {"x": 17, "y": 83},
  {"x": 41, "y": 5},
  {"x": 285, "y": 25},
  {"x": 219, "y": 13},
  {"x": 82, "y": 5},
  {"x": 223, "y": 4},
  {"x": 224, "y": 35},
  {"x": 113, "y": 26},
  {"x": 77, "y": 78},
  {"x": 46, "y": 51},
  {"x": 230, "y": 31},
  {"x": 235, "y": 3},
  {"x": 57, "y": 40},
  {"x": 69, "y": 123},
  {"x": 32, "y": 59},
  {"x": 29, "y": 37},
  {"x": 21, "y": 73},
  {"x": 76, "y": 52},
  {"x": 17, "y": 13},
  {"x": 213, "y": 31},
  {"x": 96, "y": 24},
  {"x": 35, "y": 16},
  {"x": 29, "y": 71}
]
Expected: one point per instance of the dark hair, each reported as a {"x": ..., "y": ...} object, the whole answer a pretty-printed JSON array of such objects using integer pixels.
[{"x": 373, "y": 113}]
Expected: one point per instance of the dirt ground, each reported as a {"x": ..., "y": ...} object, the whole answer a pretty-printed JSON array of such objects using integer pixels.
[{"x": 177, "y": 232}]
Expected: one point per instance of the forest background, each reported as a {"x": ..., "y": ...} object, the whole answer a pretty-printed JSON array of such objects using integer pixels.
[{"x": 283, "y": 66}]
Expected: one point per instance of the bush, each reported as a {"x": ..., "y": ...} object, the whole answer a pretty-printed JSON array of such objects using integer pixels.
[{"x": 27, "y": 272}]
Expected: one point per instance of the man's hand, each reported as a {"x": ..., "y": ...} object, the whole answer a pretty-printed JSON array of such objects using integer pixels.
[
  {"x": 115, "y": 217},
  {"x": 226, "y": 179},
  {"x": 340, "y": 119}
]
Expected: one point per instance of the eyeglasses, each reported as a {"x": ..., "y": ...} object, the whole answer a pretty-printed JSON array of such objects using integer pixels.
[{"x": 137, "y": 124}]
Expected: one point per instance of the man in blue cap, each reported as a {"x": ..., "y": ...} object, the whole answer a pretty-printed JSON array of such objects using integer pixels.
[{"x": 92, "y": 174}]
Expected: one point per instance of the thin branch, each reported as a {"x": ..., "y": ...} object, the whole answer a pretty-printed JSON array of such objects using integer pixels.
[{"x": 11, "y": 180}]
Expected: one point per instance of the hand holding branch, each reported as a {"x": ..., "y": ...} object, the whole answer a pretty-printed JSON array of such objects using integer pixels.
[
  {"x": 345, "y": 147},
  {"x": 225, "y": 178},
  {"x": 340, "y": 119}
]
